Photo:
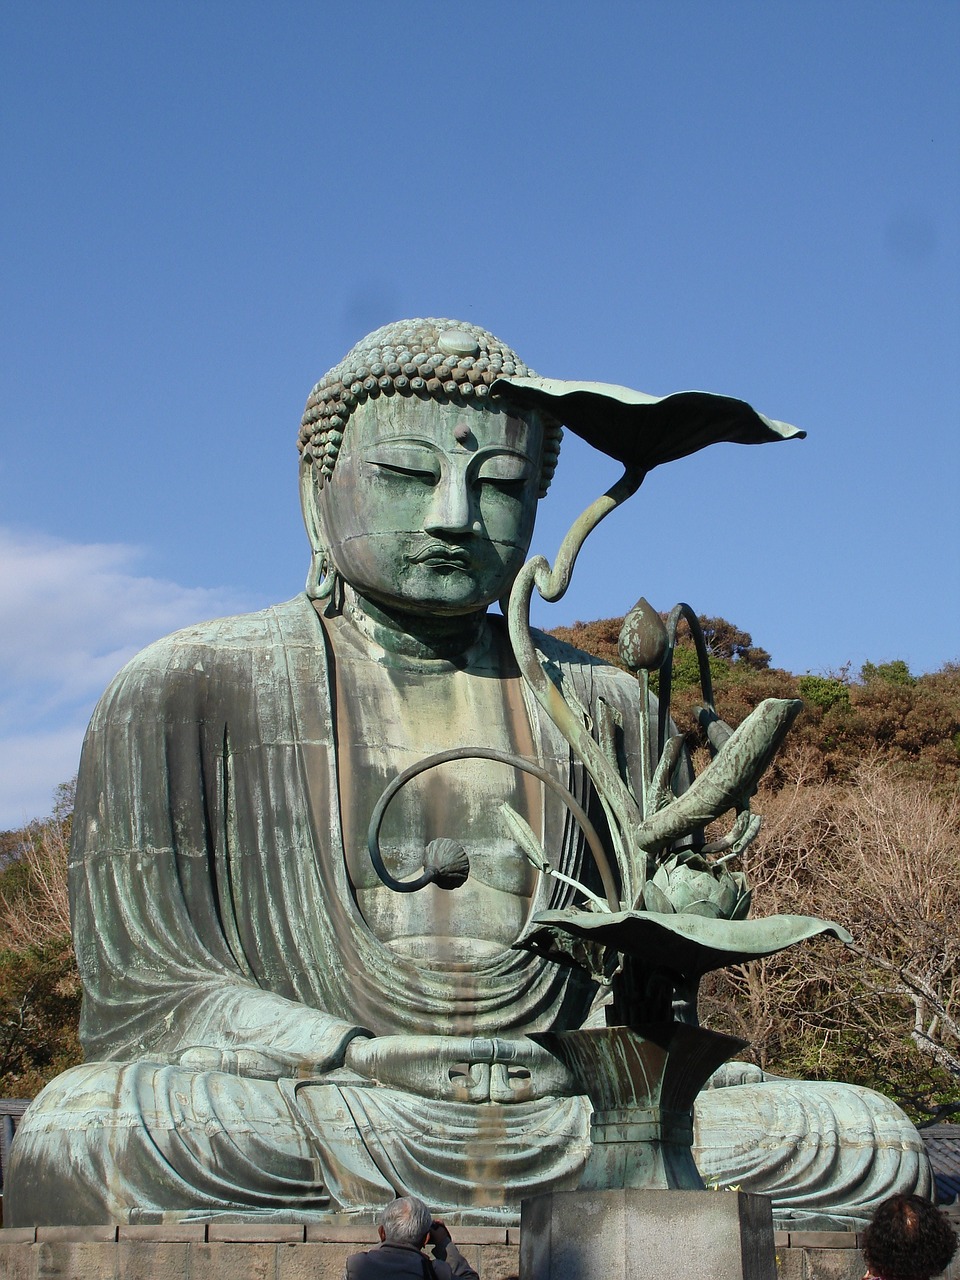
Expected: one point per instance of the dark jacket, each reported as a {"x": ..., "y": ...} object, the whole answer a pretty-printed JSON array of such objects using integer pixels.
[{"x": 405, "y": 1262}]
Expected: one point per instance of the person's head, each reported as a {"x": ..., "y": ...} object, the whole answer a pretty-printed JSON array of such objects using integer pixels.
[
  {"x": 405, "y": 1221},
  {"x": 418, "y": 488},
  {"x": 908, "y": 1239}
]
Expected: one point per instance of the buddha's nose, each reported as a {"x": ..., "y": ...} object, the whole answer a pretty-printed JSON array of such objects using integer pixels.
[{"x": 450, "y": 509}]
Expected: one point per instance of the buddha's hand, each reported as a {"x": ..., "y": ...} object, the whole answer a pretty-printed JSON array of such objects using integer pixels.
[
  {"x": 461, "y": 1068},
  {"x": 734, "y": 1073}
]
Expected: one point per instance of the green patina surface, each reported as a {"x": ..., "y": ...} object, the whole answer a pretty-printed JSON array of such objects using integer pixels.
[{"x": 272, "y": 1028}]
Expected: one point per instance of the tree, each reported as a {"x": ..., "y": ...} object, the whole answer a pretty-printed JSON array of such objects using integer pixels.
[
  {"x": 39, "y": 983},
  {"x": 824, "y": 691},
  {"x": 724, "y": 640},
  {"x": 881, "y": 855},
  {"x": 896, "y": 672}
]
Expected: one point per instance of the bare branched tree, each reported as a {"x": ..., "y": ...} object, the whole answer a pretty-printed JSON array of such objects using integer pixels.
[
  {"x": 881, "y": 855},
  {"x": 39, "y": 983},
  {"x": 35, "y": 908}
]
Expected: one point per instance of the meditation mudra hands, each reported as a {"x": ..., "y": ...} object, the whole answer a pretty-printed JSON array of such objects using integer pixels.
[
  {"x": 461, "y": 1068},
  {"x": 473, "y": 1069}
]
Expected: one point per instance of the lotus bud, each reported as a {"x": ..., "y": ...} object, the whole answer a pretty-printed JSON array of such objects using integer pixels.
[
  {"x": 446, "y": 862},
  {"x": 643, "y": 639}
]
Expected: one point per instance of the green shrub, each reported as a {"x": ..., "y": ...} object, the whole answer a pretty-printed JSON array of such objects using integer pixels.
[
  {"x": 896, "y": 672},
  {"x": 823, "y": 691}
]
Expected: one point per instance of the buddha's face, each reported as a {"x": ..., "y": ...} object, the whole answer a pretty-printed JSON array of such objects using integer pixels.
[{"x": 431, "y": 506}]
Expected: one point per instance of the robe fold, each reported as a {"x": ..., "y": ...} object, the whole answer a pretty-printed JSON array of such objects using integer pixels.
[{"x": 226, "y": 967}]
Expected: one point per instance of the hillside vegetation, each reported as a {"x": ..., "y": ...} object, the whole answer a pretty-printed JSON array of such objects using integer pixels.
[
  {"x": 861, "y": 825},
  {"x": 39, "y": 983}
]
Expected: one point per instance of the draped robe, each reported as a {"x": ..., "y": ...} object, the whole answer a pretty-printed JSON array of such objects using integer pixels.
[{"x": 226, "y": 968}]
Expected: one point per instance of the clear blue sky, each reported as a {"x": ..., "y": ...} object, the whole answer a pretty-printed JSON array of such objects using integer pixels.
[{"x": 205, "y": 205}]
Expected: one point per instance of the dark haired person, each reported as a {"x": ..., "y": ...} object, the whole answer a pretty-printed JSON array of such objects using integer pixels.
[{"x": 908, "y": 1239}]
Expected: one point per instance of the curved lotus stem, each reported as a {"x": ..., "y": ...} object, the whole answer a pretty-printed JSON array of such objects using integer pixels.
[
  {"x": 621, "y": 809},
  {"x": 432, "y": 874},
  {"x": 553, "y": 583},
  {"x": 666, "y": 673}
]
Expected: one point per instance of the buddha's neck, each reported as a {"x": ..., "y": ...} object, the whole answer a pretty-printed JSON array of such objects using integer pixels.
[{"x": 451, "y": 639}]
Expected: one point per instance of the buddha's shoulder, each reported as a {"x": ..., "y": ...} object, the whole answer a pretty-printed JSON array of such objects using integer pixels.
[
  {"x": 568, "y": 659},
  {"x": 223, "y": 646}
]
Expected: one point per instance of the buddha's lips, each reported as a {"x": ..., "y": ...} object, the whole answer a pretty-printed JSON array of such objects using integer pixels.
[{"x": 440, "y": 553}]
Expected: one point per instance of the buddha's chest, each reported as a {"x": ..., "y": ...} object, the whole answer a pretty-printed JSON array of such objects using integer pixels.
[{"x": 388, "y": 721}]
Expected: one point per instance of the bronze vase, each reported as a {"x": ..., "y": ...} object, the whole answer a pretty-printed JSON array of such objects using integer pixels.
[{"x": 642, "y": 1082}]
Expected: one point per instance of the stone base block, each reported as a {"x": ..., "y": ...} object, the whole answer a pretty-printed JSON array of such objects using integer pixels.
[{"x": 632, "y": 1235}]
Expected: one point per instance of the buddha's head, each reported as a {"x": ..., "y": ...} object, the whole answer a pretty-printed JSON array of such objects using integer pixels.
[{"x": 419, "y": 488}]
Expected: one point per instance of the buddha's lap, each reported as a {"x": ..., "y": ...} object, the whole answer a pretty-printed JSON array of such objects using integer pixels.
[
  {"x": 815, "y": 1147},
  {"x": 98, "y": 1100},
  {"x": 124, "y": 1138}
]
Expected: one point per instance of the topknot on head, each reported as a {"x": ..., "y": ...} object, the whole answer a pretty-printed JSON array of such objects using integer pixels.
[{"x": 430, "y": 359}]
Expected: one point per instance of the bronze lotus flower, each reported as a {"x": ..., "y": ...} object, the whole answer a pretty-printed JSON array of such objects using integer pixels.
[{"x": 689, "y": 883}]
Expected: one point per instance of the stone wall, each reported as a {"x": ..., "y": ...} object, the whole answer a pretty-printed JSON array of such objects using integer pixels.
[
  {"x": 249, "y": 1251},
  {"x": 198, "y": 1251}
]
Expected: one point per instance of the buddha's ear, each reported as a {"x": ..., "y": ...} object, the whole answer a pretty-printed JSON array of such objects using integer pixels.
[
  {"x": 322, "y": 578},
  {"x": 310, "y": 506}
]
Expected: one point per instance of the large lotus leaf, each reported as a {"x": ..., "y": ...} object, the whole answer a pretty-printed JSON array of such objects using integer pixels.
[
  {"x": 642, "y": 430},
  {"x": 685, "y": 944}
]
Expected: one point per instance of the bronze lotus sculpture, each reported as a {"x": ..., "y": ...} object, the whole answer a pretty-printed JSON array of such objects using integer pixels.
[{"x": 685, "y": 911}]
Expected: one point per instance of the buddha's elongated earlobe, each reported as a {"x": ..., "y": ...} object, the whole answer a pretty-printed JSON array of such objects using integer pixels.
[
  {"x": 321, "y": 576},
  {"x": 323, "y": 579},
  {"x": 324, "y": 582}
]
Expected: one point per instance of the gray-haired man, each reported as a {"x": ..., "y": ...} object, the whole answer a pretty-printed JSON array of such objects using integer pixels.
[{"x": 406, "y": 1226}]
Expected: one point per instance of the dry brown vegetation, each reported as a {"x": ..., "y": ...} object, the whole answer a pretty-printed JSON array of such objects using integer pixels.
[
  {"x": 880, "y": 855},
  {"x": 39, "y": 984},
  {"x": 861, "y": 825}
]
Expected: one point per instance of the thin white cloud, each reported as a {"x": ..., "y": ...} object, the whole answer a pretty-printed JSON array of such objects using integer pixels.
[
  {"x": 32, "y": 765},
  {"x": 70, "y": 615}
]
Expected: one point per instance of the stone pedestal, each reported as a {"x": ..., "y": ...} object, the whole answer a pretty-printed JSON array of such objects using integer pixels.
[{"x": 634, "y": 1235}]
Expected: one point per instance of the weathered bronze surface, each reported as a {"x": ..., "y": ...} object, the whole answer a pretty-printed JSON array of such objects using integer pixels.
[
  {"x": 272, "y": 1030},
  {"x": 642, "y": 1083}
]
